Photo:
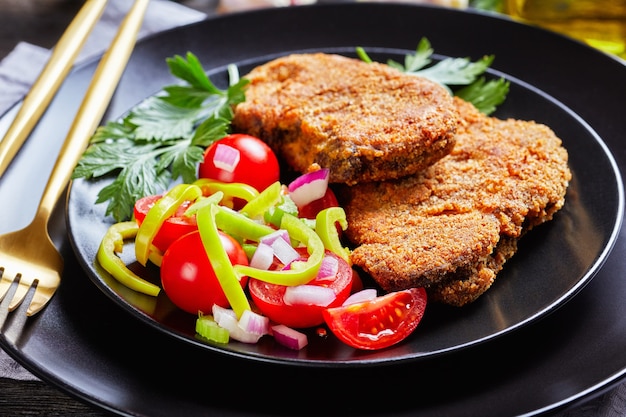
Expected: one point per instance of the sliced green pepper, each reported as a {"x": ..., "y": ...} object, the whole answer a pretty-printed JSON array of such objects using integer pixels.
[
  {"x": 300, "y": 272},
  {"x": 113, "y": 242},
  {"x": 239, "y": 226},
  {"x": 220, "y": 262},
  {"x": 327, "y": 231},
  {"x": 161, "y": 211},
  {"x": 215, "y": 198},
  {"x": 231, "y": 190},
  {"x": 262, "y": 203}
]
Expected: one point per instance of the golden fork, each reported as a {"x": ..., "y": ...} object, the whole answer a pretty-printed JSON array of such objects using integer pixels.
[
  {"x": 45, "y": 87},
  {"x": 28, "y": 255}
]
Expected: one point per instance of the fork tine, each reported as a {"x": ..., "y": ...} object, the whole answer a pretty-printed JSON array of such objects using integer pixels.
[
  {"x": 9, "y": 276},
  {"x": 20, "y": 294},
  {"x": 5, "y": 283},
  {"x": 42, "y": 295}
]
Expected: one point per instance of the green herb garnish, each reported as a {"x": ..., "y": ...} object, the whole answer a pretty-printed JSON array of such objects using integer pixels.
[
  {"x": 454, "y": 72},
  {"x": 162, "y": 139}
]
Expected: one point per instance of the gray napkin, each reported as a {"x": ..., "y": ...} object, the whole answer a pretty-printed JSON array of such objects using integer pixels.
[
  {"x": 12, "y": 370},
  {"x": 20, "y": 69}
]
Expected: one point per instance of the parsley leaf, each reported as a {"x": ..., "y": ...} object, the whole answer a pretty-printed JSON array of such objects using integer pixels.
[
  {"x": 159, "y": 120},
  {"x": 485, "y": 95},
  {"x": 417, "y": 61},
  {"x": 455, "y": 71},
  {"x": 162, "y": 139}
]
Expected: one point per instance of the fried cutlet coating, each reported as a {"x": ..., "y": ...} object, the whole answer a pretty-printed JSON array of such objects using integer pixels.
[
  {"x": 452, "y": 227},
  {"x": 366, "y": 122}
]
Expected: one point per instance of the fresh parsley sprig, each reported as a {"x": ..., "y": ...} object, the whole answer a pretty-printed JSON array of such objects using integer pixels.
[
  {"x": 454, "y": 72},
  {"x": 162, "y": 139}
]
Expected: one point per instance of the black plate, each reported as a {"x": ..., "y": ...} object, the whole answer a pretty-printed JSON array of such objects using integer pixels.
[
  {"x": 89, "y": 347},
  {"x": 553, "y": 263}
]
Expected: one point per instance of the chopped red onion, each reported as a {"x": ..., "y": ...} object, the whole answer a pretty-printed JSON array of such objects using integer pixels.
[
  {"x": 328, "y": 269},
  {"x": 367, "y": 294},
  {"x": 309, "y": 295},
  {"x": 226, "y": 157},
  {"x": 289, "y": 337},
  {"x": 251, "y": 322},
  {"x": 219, "y": 312},
  {"x": 263, "y": 257},
  {"x": 284, "y": 251},
  {"x": 271, "y": 238},
  {"x": 227, "y": 319},
  {"x": 309, "y": 187}
]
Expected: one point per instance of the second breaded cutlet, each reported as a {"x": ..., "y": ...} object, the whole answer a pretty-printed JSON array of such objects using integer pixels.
[
  {"x": 452, "y": 227},
  {"x": 364, "y": 121}
]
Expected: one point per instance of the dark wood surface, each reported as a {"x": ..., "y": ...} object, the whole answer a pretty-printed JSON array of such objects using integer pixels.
[{"x": 35, "y": 398}]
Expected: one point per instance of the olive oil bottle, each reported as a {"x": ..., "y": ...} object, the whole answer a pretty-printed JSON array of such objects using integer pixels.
[{"x": 599, "y": 23}]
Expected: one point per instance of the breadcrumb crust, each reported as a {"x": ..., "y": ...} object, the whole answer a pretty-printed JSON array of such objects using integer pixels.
[
  {"x": 366, "y": 122},
  {"x": 453, "y": 226}
]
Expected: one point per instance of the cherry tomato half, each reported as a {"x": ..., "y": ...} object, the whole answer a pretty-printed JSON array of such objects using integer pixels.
[
  {"x": 188, "y": 278},
  {"x": 310, "y": 210},
  {"x": 255, "y": 163},
  {"x": 173, "y": 228},
  {"x": 269, "y": 298},
  {"x": 378, "y": 323}
]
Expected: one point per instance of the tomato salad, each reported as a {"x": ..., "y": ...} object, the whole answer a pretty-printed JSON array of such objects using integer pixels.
[{"x": 250, "y": 257}]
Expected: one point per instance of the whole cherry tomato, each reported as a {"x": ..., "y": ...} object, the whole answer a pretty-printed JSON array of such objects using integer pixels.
[
  {"x": 188, "y": 278},
  {"x": 240, "y": 158}
]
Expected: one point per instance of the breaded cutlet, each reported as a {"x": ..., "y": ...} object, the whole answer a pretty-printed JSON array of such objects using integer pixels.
[
  {"x": 364, "y": 121},
  {"x": 452, "y": 227}
]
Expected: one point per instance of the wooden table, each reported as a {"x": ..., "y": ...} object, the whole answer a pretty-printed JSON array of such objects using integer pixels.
[{"x": 36, "y": 398}]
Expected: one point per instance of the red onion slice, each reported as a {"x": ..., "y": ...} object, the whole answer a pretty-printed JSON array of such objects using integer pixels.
[
  {"x": 227, "y": 319},
  {"x": 328, "y": 269},
  {"x": 288, "y": 337},
  {"x": 226, "y": 157},
  {"x": 251, "y": 322},
  {"x": 367, "y": 294},
  {"x": 284, "y": 251},
  {"x": 309, "y": 187},
  {"x": 219, "y": 312},
  {"x": 309, "y": 295},
  {"x": 263, "y": 257},
  {"x": 271, "y": 238}
]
